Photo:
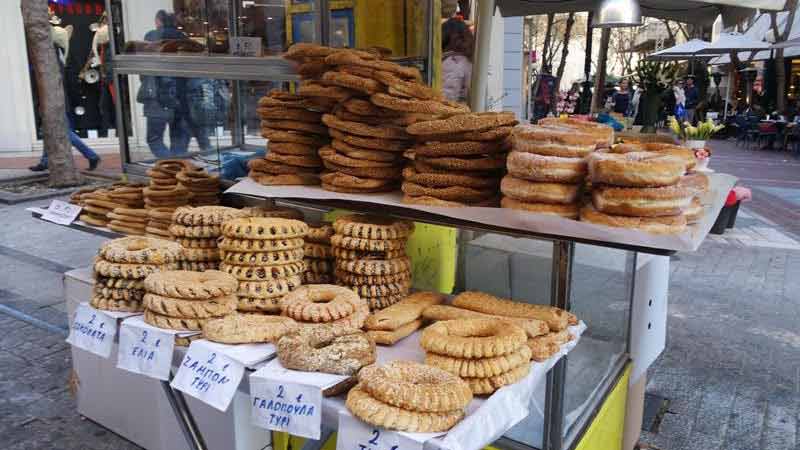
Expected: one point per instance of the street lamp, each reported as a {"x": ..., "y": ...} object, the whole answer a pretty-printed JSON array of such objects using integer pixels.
[{"x": 617, "y": 13}]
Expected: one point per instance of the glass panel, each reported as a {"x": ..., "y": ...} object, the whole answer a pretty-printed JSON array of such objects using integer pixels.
[
  {"x": 179, "y": 27},
  {"x": 265, "y": 20}
]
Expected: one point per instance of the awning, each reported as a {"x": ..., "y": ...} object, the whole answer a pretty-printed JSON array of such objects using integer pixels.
[
  {"x": 758, "y": 30},
  {"x": 733, "y": 42},
  {"x": 680, "y": 51},
  {"x": 689, "y": 11}
]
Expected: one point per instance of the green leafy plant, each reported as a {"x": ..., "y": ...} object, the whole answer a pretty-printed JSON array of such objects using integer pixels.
[{"x": 702, "y": 132}]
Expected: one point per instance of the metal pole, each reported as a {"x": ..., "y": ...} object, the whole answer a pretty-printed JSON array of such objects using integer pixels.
[
  {"x": 560, "y": 280},
  {"x": 185, "y": 419},
  {"x": 480, "y": 64}
]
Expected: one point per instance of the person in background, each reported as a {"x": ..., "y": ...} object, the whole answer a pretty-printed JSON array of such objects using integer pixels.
[
  {"x": 692, "y": 97},
  {"x": 457, "y": 46},
  {"x": 680, "y": 100},
  {"x": 622, "y": 98}
]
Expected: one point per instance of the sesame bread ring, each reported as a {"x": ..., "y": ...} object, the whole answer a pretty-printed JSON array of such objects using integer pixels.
[
  {"x": 268, "y": 228},
  {"x": 110, "y": 304},
  {"x": 388, "y": 187},
  {"x": 268, "y": 289},
  {"x": 435, "y": 180},
  {"x": 696, "y": 182},
  {"x": 132, "y": 212},
  {"x": 567, "y": 210},
  {"x": 415, "y": 387},
  {"x": 427, "y": 200},
  {"x": 198, "y": 266},
  {"x": 367, "y": 245},
  {"x": 313, "y": 89},
  {"x": 259, "y": 245},
  {"x": 453, "y": 193},
  {"x": 642, "y": 202},
  {"x": 263, "y": 273},
  {"x": 492, "y": 134},
  {"x": 294, "y": 160},
  {"x": 317, "y": 251},
  {"x": 281, "y": 212},
  {"x": 490, "y": 162},
  {"x": 387, "y": 145},
  {"x": 329, "y": 154},
  {"x": 694, "y": 213},
  {"x": 276, "y": 135},
  {"x": 326, "y": 348},
  {"x": 381, "y": 414},
  {"x": 368, "y": 154},
  {"x": 201, "y": 254},
  {"x": 262, "y": 305},
  {"x": 354, "y": 82},
  {"x": 538, "y": 192},
  {"x": 460, "y": 148},
  {"x": 126, "y": 270},
  {"x": 356, "y": 320},
  {"x": 317, "y": 278},
  {"x": 303, "y": 50},
  {"x": 473, "y": 338},
  {"x": 312, "y": 69},
  {"x": 366, "y": 108},
  {"x": 360, "y": 129},
  {"x": 638, "y": 169},
  {"x": 565, "y": 143},
  {"x": 437, "y": 107},
  {"x": 346, "y": 115},
  {"x": 463, "y": 122},
  {"x": 320, "y": 303},
  {"x": 118, "y": 294},
  {"x": 172, "y": 323},
  {"x": 300, "y": 115},
  {"x": 133, "y": 229},
  {"x": 119, "y": 283},
  {"x": 351, "y": 279},
  {"x": 177, "y": 192},
  {"x": 198, "y": 231},
  {"x": 164, "y": 214},
  {"x": 320, "y": 234},
  {"x": 197, "y": 242},
  {"x": 486, "y": 386},
  {"x": 264, "y": 167},
  {"x": 191, "y": 285},
  {"x": 382, "y": 290},
  {"x": 366, "y": 226},
  {"x": 353, "y": 59},
  {"x": 140, "y": 250},
  {"x": 656, "y": 225},
  {"x": 375, "y": 266},
  {"x": 402, "y": 88},
  {"x": 263, "y": 258},
  {"x": 93, "y": 220},
  {"x": 98, "y": 211},
  {"x": 554, "y": 169},
  {"x": 291, "y": 148},
  {"x": 318, "y": 265},
  {"x": 205, "y": 215},
  {"x": 190, "y": 309},
  {"x": 297, "y": 179},
  {"x": 603, "y": 133},
  {"x": 391, "y": 173},
  {"x": 294, "y": 125},
  {"x": 481, "y": 367},
  {"x": 269, "y": 102},
  {"x": 247, "y": 328},
  {"x": 346, "y": 253}
]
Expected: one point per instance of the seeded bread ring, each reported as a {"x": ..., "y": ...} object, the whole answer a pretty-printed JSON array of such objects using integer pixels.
[
  {"x": 263, "y": 273},
  {"x": 485, "y": 386},
  {"x": 262, "y": 228},
  {"x": 317, "y": 251},
  {"x": 453, "y": 193},
  {"x": 201, "y": 254},
  {"x": 346, "y": 253},
  {"x": 366, "y": 226},
  {"x": 460, "y": 148},
  {"x": 364, "y": 107},
  {"x": 318, "y": 278},
  {"x": 367, "y": 245},
  {"x": 535, "y": 192},
  {"x": 204, "y": 215},
  {"x": 359, "y": 280},
  {"x": 376, "y": 266},
  {"x": 198, "y": 231},
  {"x": 358, "y": 190},
  {"x": 291, "y": 148},
  {"x": 109, "y": 304},
  {"x": 127, "y": 270},
  {"x": 473, "y": 338},
  {"x": 552, "y": 169},
  {"x": 190, "y": 309},
  {"x": 119, "y": 283},
  {"x": 294, "y": 160},
  {"x": 427, "y": 200},
  {"x": 320, "y": 235},
  {"x": 438, "y": 180},
  {"x": 353, "y": 59},
  {"x": 438, "y": 107},
  {"x": 368, "y": 154},
  {"x": 269, "y": 289},
  {"x": 276, "y": 135},
  {"x": 382, "y": 132},
  {"x": 382, "y": 290},
  {"x": 263, "y": 258},
  {"x": 197, "y": 242},
  {"x": 354, "y": 82},
  {"x": 314, "y": 89},
  {"x": 279, "y": 212},
  {"x": 259, "y": 245},
  {"x": 296, "y": 179},
  {"x": 346, "y": 181},
  {"x": 164, "y": 214},
  {"x": 172, "y": 323},
  {"x": 490, "y": 162},
  {"x": 415, "y": 387},
  {"x": 262, "y": 305},
  {"x": 402, "y": 88},
  {"x": 377, "y": 303},
  {"x": 198, "y": 266},
  {"x": 326, "y": 348},
  {"x": 386, "y": 145},
  {"x": 393, "y": 173},
  {"x": 481, "y": 121},
  {"x": 278, "y": 113},
  {"x": 118, "y": 294},
  {"x": 125, "y": 229},
  {"x": 329, "y": 154},
  {"x": 94, "y": 221},
  {"x": 318, "y": 265},
  {"x": 320, "y": 303},
  {"x": 294, "y": 125},
  {"x": 381, "y": 414},
  {"x": 191, "y": 285},
  {"x": 481, "y": 367},
  {"x": 140, "y": 250},
  {"x": 247, "y": 328},
  {"x": 177, "y": 191}
]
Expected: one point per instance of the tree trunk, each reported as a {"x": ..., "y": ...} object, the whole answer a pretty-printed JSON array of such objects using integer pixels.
[
  {"x": 600, "y": 72},
  {"x": 546, "y": 46},
  {"x": 47, "y": 73},
  {"x": 564, "y": 54},
  {"x": 780, "y": 64}
]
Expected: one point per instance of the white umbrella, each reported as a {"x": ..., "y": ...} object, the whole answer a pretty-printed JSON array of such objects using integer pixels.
[
  {"x": 683, "y": 51},
  {"x": 786, "y": 44}
]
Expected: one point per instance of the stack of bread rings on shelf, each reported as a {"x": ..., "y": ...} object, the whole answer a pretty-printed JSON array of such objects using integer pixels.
[
  {"x": 122, "y": 265},
  {"x": 458, "y": 160},
  {"x": 182, "y": 300},
  {"x": 315, "y": 304},
  {"x": 164, "y": 190},
  {"x": 409, "y": 396},
  {"x": 99, "y": 204},
  {"x": 400, "y": 320},
  {"x": 318, "y": 255},
  {"x": 698, "y": 184},
  {"x": 265, "y": 255},
  {"x": 203, "y": 187},
  {"x": 370, "y": 253},
  {"x": 197, "y": 229}
]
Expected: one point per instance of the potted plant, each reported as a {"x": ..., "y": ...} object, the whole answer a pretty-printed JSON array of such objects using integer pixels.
[
  {"x": 695, "y": 138},
  {"x": 654, "y": 78}
]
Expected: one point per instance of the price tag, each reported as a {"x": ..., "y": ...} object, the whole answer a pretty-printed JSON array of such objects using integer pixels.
[
  {"x": 145, "y": 350},
  {"x": 281, "y": 405},
  {"x": 245, "y": 46},
  {"x": 355, "y": 434},
  {"x": 93, "y": 331},
  {"x": 62, "y": 213},
  {"x": 208, "y": 376}
]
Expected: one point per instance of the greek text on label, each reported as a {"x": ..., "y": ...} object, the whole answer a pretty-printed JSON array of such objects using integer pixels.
[
  {"x": 282, "y": 411},
  {"x": 205, "y": 377}
]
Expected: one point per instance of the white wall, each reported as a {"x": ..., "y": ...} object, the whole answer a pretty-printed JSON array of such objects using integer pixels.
[
  {"x": 17, "y": 131},
  {"x": 512, "y": 66},
  {"x": 494, "y": 88}
]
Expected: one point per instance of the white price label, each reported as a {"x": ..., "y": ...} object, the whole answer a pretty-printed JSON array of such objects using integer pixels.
[
  {"x": 145, "y": 350},
  {"x": 208, "y": 376},
  {"x": 285, "y": 406},
  {"x": 62, "y": 213},
  {"x": 93, "y": 331},
  {"x": 355, "y": 434},
  {"x": 245, "y": 46}
]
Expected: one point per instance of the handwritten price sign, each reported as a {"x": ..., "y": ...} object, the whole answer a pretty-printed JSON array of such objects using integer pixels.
[
  {"x": 62, "y": 213},
  {"x": 208, "y": 376},
  {"x": 285, "y": 406},
  {"x": 93, "y": 331},
  {"x": 355, "y": 434},
  {"x": 145, "y": 350}
]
